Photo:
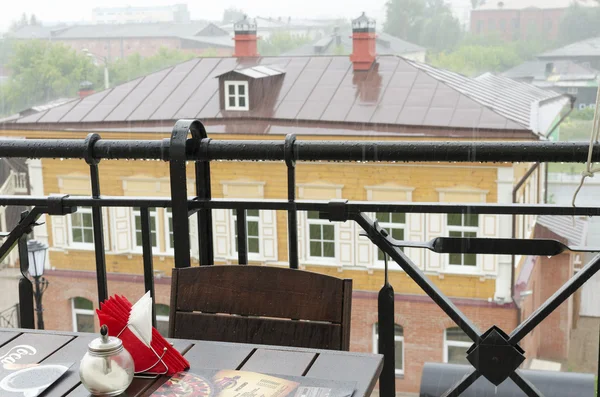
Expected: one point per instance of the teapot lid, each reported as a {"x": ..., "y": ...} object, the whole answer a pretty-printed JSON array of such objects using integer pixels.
[{"x": 105, "y": 345}]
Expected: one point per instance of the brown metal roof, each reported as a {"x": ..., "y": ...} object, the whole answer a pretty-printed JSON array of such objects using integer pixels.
[{"x": 313, "y": 89}]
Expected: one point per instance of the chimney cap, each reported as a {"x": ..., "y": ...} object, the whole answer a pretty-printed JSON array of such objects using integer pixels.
[
  {"x": 363, "y": 24},
  {"x": 245, "y": 26}
]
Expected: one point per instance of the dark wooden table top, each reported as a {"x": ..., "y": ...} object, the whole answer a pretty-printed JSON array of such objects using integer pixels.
[{"x": 60, "y": 347}]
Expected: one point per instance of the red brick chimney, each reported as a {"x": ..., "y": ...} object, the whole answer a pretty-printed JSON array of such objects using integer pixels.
[
  {"x": 245, "y": 38},
  {"x": 86, "y": 88},
  {"x": 363, "y": 42}
]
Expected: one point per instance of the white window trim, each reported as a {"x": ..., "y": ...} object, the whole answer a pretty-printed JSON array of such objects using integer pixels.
[
  {"x": 384, "y": 225},
  {"x": 138, "y": 248},
  {"x": 234, "y": 252},
  {"x": 463, "y": 269},
  {"x": 75, "y": 312},
  {"x": 166, "y": 217},
  {"x": 236, "y": 84},
  {"x": 72, "y": 243},
  {"x": 448, "y": 343},
  {"x": 322, "y": 260},
  {"x": 396, "y": 339}
]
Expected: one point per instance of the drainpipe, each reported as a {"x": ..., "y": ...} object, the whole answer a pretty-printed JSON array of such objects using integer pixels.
[{"x": 519, "y": 184}]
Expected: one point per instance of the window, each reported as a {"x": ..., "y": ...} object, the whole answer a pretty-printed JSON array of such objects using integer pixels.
[
  {"x": 137, "y": 219},
  {"x": 398, "y": 343},
  {"x": 515, "y": 23},
  {"x": 169, "y": 224},
  {"x": 162, "y": 319},
  {"x": 491, "y": 25},
  {"x": 252, "y": 231},
  {"x": 463, "y": 225},
  {"x": 394, "y": 223},
  {"x": 82, "y": 227},
  {"x": 456, "y": 344},
  {"x": 479, "y": 26},
  {"x": 83, "y": 315},
  {"x": 548, "y": 25},
  {"x": 236, "y": 95},
  {"x": 502, "y": 25},
  {"x": 321, "y": 237}
]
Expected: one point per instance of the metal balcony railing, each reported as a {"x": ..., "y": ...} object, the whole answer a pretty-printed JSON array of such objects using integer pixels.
[{"x": 495, "y": 353}]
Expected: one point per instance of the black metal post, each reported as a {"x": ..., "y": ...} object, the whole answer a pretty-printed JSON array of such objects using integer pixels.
[
  {"x": 242, "y": 237},
  {"x": 385, "y": 331},
  {"x": 147, "y": 254},
  {"x": 293, "y": 211},
  {"x": 40, "y": 287},
  {"x": 101, "y": 278},
  {"x": 203, "y": 192},
  {"x": 25, "y": 286}
]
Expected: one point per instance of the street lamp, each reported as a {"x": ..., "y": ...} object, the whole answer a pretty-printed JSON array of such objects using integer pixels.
[
  {"x": 105, "y": 60},
  {"x": 36, "y": 253}
]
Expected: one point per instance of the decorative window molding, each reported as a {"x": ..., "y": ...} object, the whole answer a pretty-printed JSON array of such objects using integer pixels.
[
  {"x": 389, "y": 193},
  {"x": 236, "y": 95},
  {"x": 462, "y": 194},
  {"x": 398, "y": 344}
]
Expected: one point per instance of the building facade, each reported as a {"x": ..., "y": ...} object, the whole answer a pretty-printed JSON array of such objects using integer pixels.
[
  {"x": 110, "y": 15},
  {"x": 364, "y": 96}
]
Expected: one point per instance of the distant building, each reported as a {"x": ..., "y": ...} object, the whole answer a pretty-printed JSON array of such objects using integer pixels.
[
  {"x": 122, "y": 40},
  {"x": 314, "y": 28},
  {"x": 522, "y": 19},
  {"x": 173, "y": 13},
  {"x": 585, "y": 52},
  {"x": 340, "y": 43},
  {"x": 563, "y": 76}
]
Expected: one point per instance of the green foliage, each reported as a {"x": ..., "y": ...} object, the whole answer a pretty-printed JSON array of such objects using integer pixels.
[
  {"x": 41, "y": 72},
  {"x": 232, "y": 15},
  {"x": 135, "y": 65},
  {"x": 478, "y": 54},
  {"x": 280, "y": 42},
  {"x": 429, "y": 23},
  {"x": 583, "y": 114},
  {"x": 340, "y": 50},
  {"x": 579, "y": 23}
]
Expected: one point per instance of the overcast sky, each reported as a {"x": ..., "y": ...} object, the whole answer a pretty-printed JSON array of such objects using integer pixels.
[{"x": 80, "y": 11}]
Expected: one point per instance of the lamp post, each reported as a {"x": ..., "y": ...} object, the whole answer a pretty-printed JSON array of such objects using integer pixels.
[
  {"x": 36, "y": 253},
  {"x": 105, "y": 60}
]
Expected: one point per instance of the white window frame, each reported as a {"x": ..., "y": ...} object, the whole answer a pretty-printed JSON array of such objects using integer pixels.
[
  {"x": 234, "y": 252},
  {"x": 386, "y": 226},
  {"x": 139, "y": 248},
  {"x": 72, "y": 242},
  {"x": 75, "y": 312},
  {"x": 397, "y": 338},
  {"x": 321, "y": 259},
  {"x": 168, "y": 216},
  {"x": 236, "y": 84},
  {"x": 448, "y": 343},
  {"x": 464, "y": 268}
]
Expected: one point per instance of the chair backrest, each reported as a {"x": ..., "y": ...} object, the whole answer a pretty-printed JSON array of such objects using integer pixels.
[{"x": 262, "y": 305}]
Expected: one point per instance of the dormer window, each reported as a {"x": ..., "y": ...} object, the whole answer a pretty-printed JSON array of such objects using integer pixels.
[{"x": 236, "y": 95}]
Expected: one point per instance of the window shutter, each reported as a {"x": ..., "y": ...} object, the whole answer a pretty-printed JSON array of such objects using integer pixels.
[
  {"x": 59, "y": 231},
  {"x": 416, "y": 232},
  {"x": 346, "y": 240},
  {"x": 268, "y": 224},
  {"x": 364, "y": 249},
  {"x": 106, "y": 226},
  {"x": 194, "y": 248},
  {"x": 123, "y": 231},
  {"x": 301, "y": 232},
  {"x": 489, "y": 229},
  {"x": 221, "y": 233},
  {"x": 435, "y": 229}
]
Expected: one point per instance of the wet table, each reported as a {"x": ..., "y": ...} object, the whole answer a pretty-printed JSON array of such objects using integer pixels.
[{"x": 60, "y": 347}]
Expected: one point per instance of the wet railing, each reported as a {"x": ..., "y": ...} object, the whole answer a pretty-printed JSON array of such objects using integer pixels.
[{"x": 495, "y": 353}]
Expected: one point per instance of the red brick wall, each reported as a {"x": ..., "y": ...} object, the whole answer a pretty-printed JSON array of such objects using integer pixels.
[
  {"x": 423, "y": 322},
  {"x": 532, "y": 22}
]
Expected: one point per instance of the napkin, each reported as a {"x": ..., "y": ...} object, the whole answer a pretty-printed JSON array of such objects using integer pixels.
[{"x": 133, "y": 325}]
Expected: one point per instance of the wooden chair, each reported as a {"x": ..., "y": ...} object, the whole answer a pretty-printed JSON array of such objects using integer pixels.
[{"x": 261, "y": 305}]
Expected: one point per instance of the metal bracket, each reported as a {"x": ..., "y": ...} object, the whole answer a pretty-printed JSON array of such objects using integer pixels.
[
  {"x": 57, "y": 207},
  {"x": 88, "y": 153},
  {"x": 337, "y": 211}
]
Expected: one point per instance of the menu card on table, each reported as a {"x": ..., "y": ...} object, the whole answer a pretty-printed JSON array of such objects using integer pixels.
[{"x": 231, "y": 383}]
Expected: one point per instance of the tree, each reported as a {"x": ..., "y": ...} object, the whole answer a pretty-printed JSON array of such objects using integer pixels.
[
  {"x": 476, "y": 3},
  {"x": 135, "y": 65},
  {"x": 43, "y": 71},
  {"x": 33, "y": 20},
  {"x": 579, "y": 23},
  {"x": 280, "y": 42},
  {"x": 429, "y": 23},
  {"x": 232, "y": 15}
]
